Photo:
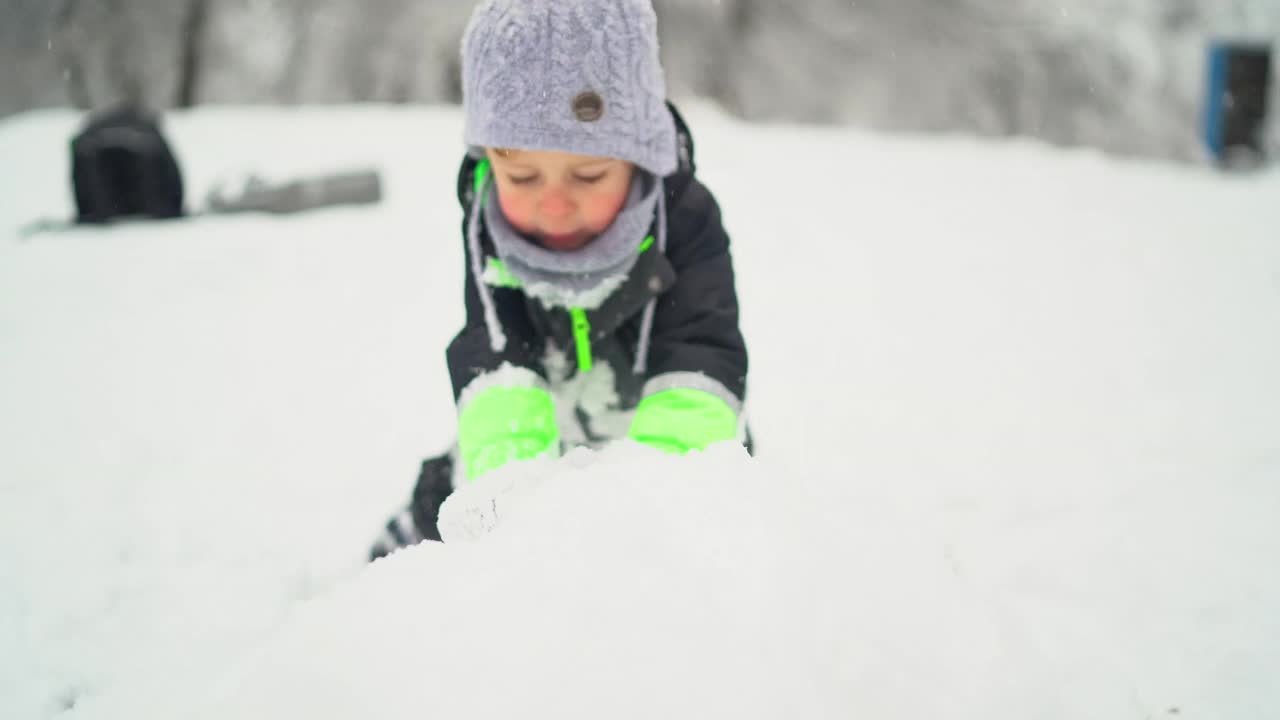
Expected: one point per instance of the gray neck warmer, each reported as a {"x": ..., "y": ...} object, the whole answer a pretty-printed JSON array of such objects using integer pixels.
[
  {"x": 582, "y": 278},
  {"x": 648, "y": 202}
]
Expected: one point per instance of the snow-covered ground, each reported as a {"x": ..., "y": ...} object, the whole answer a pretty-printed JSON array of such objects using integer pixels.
[{"x": 1018, "y": 417}]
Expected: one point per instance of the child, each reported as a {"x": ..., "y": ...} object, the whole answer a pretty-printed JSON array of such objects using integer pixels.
[{"x": 600, "y": 291}]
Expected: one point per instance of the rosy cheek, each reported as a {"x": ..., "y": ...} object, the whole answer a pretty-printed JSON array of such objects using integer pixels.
[
  {"x": 602, "y": 209},
  {"x": 518, "y": 211}
]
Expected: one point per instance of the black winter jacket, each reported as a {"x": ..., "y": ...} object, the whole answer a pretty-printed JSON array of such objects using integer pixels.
[{"x": 695, "y": 325}]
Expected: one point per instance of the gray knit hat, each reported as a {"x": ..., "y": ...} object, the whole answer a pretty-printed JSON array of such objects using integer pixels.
[{"x": 576, "y": 76}]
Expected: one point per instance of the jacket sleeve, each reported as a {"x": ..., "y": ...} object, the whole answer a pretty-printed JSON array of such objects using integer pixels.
[
  {"x": 505, "y": 409},
  {"x": 697, "y": 361}
]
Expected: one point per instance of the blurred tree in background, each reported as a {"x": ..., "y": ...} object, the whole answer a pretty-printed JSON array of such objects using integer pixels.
[{"x": 1124, "y": 75}]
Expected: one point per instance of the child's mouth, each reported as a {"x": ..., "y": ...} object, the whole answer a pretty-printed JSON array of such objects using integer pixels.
[{"x": 566, "y": 241}]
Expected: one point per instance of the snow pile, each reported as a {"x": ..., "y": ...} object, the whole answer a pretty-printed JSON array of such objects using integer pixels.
[
  {"x": 627, "y": 586},
  {"x": 630, "y": 584}
]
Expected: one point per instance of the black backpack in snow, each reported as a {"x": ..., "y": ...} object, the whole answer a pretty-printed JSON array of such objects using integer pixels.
[{"x": 122, "y": 166}]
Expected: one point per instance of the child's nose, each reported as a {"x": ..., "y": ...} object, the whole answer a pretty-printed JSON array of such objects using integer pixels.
[{"x": 556, "y": 203}]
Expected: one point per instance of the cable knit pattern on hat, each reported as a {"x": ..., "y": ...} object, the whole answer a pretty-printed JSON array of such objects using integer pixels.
[{"x": 527, "y": 66}]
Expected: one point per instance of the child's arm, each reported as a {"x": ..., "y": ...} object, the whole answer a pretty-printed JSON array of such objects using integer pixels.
[
  {"x": 505, "y": 410},
  {"x": 697, "y": 361}
]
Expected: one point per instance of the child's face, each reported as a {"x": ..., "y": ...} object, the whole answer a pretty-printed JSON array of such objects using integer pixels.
[{"x": 563, "y": 200}]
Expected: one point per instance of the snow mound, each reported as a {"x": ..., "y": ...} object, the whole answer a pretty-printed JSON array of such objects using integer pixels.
[
  {"x": 624, "y": 582},
  {"x": 630, "y": 584}
]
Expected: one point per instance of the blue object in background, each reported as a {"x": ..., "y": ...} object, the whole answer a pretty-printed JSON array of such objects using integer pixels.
[
  {"x": 1215, "y": 93},
  {"x": 1237, "y": 93}
]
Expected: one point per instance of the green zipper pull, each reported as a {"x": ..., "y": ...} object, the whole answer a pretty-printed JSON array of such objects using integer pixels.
[{"x": 582, "y": 337}]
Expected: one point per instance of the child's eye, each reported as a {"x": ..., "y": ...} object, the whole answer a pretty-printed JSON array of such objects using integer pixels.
[
  {"x": 590, "y": 179},
  {"x": 521, "y": 180}
]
